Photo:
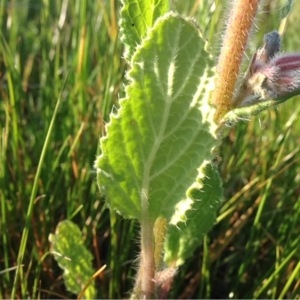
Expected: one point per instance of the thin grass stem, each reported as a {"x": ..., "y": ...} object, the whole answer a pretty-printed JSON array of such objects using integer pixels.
[{"x": 26, "y": 229}]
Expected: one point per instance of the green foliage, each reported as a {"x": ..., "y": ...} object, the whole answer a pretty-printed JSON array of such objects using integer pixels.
[
  {"x": 159, "y": 136},
  {"x": 137, "y": 17},
  {"x": 73, "y": 257},
  {"x": 162, "y": 132},
  {"x": 184, "y": 237},
  {"x": 246, "y": 113},
  {"x": 286, "y": 8},
  {"x": 251, "y": 252}
]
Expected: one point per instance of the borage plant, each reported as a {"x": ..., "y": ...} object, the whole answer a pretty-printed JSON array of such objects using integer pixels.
[
  {"x": 157, "y": 158},
  {"x": 155, "y": 161}
]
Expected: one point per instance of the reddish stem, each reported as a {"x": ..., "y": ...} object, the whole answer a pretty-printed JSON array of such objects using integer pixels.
[{"x": 239, "y": 25}]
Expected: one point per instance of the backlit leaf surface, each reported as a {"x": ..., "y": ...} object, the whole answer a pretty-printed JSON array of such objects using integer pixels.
[
  {"x": 137, "y": 16},
  {"x": 161, "y": 133},
  {"x": 73, "y": 257},
  {"x": 204, "y": 199}
]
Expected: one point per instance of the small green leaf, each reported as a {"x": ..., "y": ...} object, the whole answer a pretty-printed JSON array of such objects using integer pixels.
[
  {"x": 200, "y": 209},
  {"x": 73, "y": 257},
  {"x": 286, "y": 8},
  {"x": 137, "y": 16},
  {"x": 161, "y": 133}
]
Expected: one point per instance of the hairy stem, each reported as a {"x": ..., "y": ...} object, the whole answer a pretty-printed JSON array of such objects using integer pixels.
[
  {"x": 159, "y": 231},
  {"x": 145, "y": 284},
  {"x": 239, "y": 25}
]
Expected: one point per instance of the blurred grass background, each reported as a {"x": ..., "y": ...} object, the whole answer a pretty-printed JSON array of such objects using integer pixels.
[{"x": 69, "y": 50}]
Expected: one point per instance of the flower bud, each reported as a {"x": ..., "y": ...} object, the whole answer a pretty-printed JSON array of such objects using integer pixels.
[
  {"x": 271, "y": 75},
  {"x": 277, "y": 79},
  {"x": 270, "y": 48}
]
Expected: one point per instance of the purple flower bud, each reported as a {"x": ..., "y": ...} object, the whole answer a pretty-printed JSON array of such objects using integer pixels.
[
  {"x": 271, "y": 75},
  {"x": 270, "y": 47},
  {"x": 279, "y": 78}
]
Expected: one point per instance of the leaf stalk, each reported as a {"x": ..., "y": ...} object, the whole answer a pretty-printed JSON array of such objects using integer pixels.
[{"x": 145, "y": 284}]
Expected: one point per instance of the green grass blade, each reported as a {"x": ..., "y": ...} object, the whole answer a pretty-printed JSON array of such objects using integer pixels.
[
  {"x": 294, "y": 276},
  {"x": 23, "y": 243},
  {"x": 271, "y": 279}
]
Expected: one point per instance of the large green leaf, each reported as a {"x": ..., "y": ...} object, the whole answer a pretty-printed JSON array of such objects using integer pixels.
[
  {"x": 137, "y": 16},
  {"x": 161, "y": 134},
  {"x": 73, "y": 257}
]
